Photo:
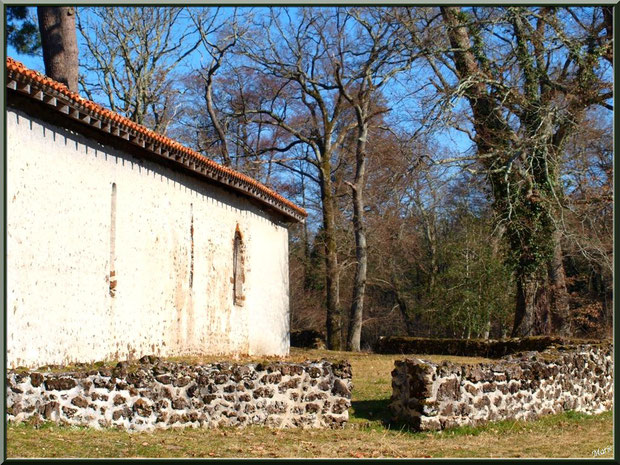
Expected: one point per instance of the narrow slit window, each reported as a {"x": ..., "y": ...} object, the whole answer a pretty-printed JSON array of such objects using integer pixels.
[
  {"x": 191, "y": 238},
  {"x": 238, "y": 274},
  {"x": 112, "y": 276}
]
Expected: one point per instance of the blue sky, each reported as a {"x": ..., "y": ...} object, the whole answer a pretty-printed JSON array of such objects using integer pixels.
[
  {"x": 450, "y": 138},
  {"x": 32, "y": 62}
]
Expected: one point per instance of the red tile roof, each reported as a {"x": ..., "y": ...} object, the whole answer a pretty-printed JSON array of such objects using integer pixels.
[{"x": 34, "y": 83}]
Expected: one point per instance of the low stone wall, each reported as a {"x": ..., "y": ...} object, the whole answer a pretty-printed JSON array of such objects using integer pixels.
[
  {"x": 522, "y": 387},
  {"x": 490, "y": 348},
  {"x": 158, "y": 394}
]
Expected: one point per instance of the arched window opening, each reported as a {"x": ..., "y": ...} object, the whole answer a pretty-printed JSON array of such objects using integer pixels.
[{"x": 238, "y": 273}]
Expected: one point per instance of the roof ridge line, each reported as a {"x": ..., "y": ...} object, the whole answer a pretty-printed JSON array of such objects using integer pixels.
[{"x": 113, "y": 117}]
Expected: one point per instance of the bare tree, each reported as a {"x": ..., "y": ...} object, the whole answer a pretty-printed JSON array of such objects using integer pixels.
[
  {"x": 370, "y": 52},
  {"x": 219, "y": 34},
  {"x": 59, "y": 43},
  {"x": 528, "y": 75},
  {"x": 588, "y": 235},
  {"x": 133, "y": 51},
  {"x": 308, "y": 107}
]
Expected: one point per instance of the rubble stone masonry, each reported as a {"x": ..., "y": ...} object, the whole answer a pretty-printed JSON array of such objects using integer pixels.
[
  {"x": 522, "y": 386},
  {"x": 159, "y": 394}
]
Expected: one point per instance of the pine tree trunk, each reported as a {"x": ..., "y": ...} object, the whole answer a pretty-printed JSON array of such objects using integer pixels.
[{"x": 59, "y": 43}]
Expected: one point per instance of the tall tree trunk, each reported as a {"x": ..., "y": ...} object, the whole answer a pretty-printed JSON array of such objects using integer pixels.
[
  {"x": 432, "y": 251},
  {"x": 496, "y": 242},
  {"x": 333, "y": 322},
  {"x": 530, "y": 231},
  {"x": 411, "y": 323},
  {"x": 532, "y": 316},
  {"x": 221, "y": 134},
  {"x": 359, "y": 285},
  {"x": 560, "y": 310},
  {"x": 608, "y": 300},
  {"x": 487, "y": 329},
  {"x": 305, "y": 235},
  {"x": 359, "y": 289},
  {"x": 59, "y": 43}
]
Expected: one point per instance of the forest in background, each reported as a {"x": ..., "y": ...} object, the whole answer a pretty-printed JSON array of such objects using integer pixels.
[{"x": 456, "y": 163}]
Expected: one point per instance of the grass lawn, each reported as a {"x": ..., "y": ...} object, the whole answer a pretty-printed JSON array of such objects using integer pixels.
[{"x": 368, "y": 433}]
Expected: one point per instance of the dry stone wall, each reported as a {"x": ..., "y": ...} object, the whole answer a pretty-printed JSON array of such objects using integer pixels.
[
  {"x": 491, "y": 348},
  {"x": 521, "y": 386},
  {"x": 159, "y": 394}
]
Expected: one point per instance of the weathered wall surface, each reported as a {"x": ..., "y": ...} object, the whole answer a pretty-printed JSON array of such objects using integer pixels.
[
  {"x": 167, "y": 236},
  {"x": 432, "y": 397},
  {"x": 158, "y": 394}
]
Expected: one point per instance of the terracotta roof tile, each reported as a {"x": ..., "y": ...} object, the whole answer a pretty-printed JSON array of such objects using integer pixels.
[{"x": 45, "y": 82}]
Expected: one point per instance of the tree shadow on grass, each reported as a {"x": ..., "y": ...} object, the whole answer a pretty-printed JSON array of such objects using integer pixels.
[
  {"x": 372, "y": 410},
  {"x": 379, "y": 411}
]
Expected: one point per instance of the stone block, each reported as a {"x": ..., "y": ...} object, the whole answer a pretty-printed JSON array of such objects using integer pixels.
[
  {"x": 80, "y": 401},
  {"x": 60, "y": 384}
]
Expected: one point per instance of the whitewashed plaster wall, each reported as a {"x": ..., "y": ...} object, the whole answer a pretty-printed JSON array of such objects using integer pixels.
[{"x": 59, "y": 217}]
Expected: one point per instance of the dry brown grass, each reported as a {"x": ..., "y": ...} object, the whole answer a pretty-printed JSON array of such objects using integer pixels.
[{"x": 367, "y": 434}]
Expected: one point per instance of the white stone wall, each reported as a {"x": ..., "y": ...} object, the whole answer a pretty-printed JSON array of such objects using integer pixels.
[
  {"x": 154, "y": 394},
  {"x": 59, "y": 307}
]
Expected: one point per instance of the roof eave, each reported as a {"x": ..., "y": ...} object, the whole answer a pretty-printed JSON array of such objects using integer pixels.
[{"x": 162, "y": 148}]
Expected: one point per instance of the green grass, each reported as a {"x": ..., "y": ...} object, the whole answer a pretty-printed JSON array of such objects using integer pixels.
[{"x": 368, "y": 434}]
